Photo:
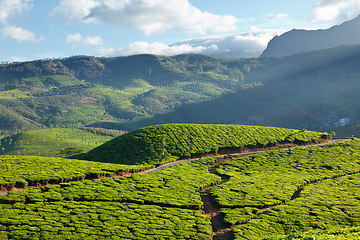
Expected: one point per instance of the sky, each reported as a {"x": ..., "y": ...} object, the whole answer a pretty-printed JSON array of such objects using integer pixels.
[{"x": 42, "y": 29}]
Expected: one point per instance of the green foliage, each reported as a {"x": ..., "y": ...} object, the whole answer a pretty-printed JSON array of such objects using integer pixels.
[
  {"x": 148, "y": 145},
  {"x": 101, "y": 220},
  {"x": 158, "y": 205},
  {"x": 287, "y": 191},
  {"x": 23, "y": 171},
  {"x": 338, "y": 234},
  {"x": 176, "y": 186}
]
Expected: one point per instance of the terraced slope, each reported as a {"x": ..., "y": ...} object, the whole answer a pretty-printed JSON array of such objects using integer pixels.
[
  {"x": 166, "y": 143},
  {"x": 23, "y": 171}
]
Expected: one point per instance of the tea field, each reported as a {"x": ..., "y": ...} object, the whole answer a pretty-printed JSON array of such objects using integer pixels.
[
  {"x": 303, "y": 193},
  {"x": 166, "y": 143},
  {"x": 164, "y": 204},
  {"x": 23, "y": 171},
  {"x": 288, "y": 191}
]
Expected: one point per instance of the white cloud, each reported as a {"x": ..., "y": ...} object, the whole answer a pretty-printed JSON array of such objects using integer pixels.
[
  {"x": 154, "y": 48},
  {"x": 334, "y": 11},
  {"x": 10, "y": 8},
  {"x": 151, "y": 16},
  {"x": 250, "y": 44},
  {"x": 277, "y": 17},
  {"x": 14, "y": 8},
  {"x": 88, "y": 40},
  {"x": 75, "y": 11},
  {"x": 20, "y": 34}
]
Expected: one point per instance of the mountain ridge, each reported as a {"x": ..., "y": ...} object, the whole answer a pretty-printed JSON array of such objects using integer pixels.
[{"x": 300, "y": 40}]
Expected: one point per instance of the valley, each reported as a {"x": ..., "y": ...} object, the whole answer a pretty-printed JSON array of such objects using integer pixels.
[
  {"x": 127, "y": 93},
  {"x": 182, "y": 147}
]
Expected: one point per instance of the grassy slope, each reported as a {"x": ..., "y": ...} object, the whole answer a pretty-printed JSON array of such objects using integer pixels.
[
  {"x": 49, "y": 142},
  {"x": 23, "y": 171}
]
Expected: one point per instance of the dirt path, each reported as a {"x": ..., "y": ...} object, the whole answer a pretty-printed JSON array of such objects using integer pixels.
[
  {"x": 61, "y": 134},
  {"x": 240, "y": 154},
  {"x": 220, "y": 229},
  {"x": 193, "y": 159}
]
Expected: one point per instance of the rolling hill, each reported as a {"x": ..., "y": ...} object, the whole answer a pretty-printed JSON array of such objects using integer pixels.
[
  {"x": 167, "y": 143},
  {"x": 56, "y": 142},
  {"x": 297, "y": 193}
]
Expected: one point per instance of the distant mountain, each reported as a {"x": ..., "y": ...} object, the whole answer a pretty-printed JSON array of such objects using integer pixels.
[
  {"x": 312, "y": 90},
  {"x": 299, "y": 40}
]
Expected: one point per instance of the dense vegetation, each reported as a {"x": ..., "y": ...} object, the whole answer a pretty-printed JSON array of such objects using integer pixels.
[
  {"x": 339, "y": 234},
  {"x": 175, "y": 186},
  {"x": 23, "y": 171},
  {"x": 166, "y": 143},
  {"x": 155, "y": 205},
  {"x": 274, "y": 193},
  {"x": 281, "y": 192},
  {"x": 100, "y": 220}
]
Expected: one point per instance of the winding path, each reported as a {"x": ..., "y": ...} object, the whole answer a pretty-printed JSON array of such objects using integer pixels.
[
  {"x": 233, "y": 154},
  {"x": 240, "y": 154}
]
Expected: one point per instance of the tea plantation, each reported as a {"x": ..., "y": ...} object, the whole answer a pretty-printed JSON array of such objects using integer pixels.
[
  {"x": 303, "y": 193},
  {"x": 167, "y": 143},
  {"x": 282, "y": 192}
]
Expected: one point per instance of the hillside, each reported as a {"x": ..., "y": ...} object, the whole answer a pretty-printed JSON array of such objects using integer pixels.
[
  {"x": 299, "y": 40},
  {"x": 103, "y": 92},
  {"x": 56, "y": 142},
  {"x": 169, "y": 142},
  {"x": 300, "y": 193},
  {"x": 312, "y": 90}
]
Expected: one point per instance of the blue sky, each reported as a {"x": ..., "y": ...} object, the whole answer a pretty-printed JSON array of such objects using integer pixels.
[{"x": 37, "y": 29}]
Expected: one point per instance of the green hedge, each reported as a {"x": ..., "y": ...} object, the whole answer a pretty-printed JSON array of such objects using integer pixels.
[
  {"x": 100, "y": 220},
  {"x": 176, "y": 186},
  {"x": 23, "y": 171}
]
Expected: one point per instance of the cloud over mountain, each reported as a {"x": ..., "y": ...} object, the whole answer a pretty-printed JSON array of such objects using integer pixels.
[{"x": 250, "y": 44}]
